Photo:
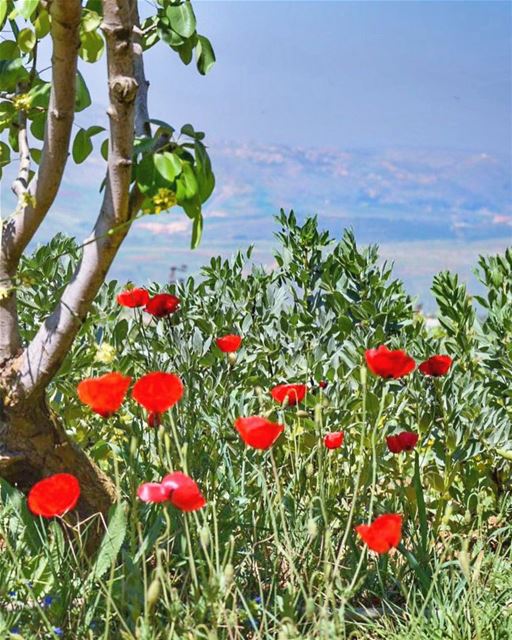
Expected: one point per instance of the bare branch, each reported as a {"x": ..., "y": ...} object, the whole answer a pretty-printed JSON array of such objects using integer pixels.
[
  {"x": 46, "y": 352},
  {"x": 20, "y": 184},
  {"x": 142, "y": 124},
  {"x": 20, "y": 228}
]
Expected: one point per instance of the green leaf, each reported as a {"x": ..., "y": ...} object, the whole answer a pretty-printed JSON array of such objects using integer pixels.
[
  {"x": 25, "y": 8},
  {"x": 170, "y": 37},
  {"x": 197, "y": 231},
  {"x": 26, "y": 40},
  {"x": 5, "y": 153},
  {"x": 83, "y": 97},
  {"x": 37, "y": 126},
  {"x": 205, "y": 55},
  {"x": 188, "y": 130},
  {"x": 90, "y": 21},
  {"x": 9, "y": 50},
  {"x": 191, "y": 207},
  {"x": 145, "y": 174},
  {"x": 3, "y": 12},
  {"x": 42, "y": 24},
  {"x": 168, "y": 165},
  {"x": 40, "y": 94},
  {"x": 203, "y": 171},
  {"x": 82, "y": 146},
  {"x": 187, "y": 186},
  {"x": 12, "y": 72},
  {"x": 94, "y": 130},
  {"x": 104, "y": 149},
  {"x": 163, "y": 126},
  {"x": 182, "y": 19},
  {"x": 111, "y": 543},
  {"x": 186, "y": 50},
  {"x": 91, "y": 46},
  {"x": 35, "y": 154}
]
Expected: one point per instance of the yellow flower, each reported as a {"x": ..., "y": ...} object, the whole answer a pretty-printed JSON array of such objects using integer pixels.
[
  {"x": 163, "y": 199},
  {"x": 125, "y": 418},
  {"x": 105, "y": 353},
  {"x": 5, "y": 293},
  {"x": 27, "y": 199},
  {"x": 22, "y": 102}
]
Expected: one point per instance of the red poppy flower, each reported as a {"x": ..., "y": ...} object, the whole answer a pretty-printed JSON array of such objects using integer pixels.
[
  {"x": 154, "y": 419},
  {"x": 177, "y": 488},
  {"x": 54, "y": 496},
  {"x": 389, "y": 364},
  {"x": 104, "y": 394},
  {"x": 158, "y": 391},
  {"x": 405, "y": 441},
  {"x": 393, "y": 443},
  {"x": 152, "y": 492},
  {"x": 133, "y": 298},
  {"x": 258, "y": 432},
  {"x": 183, "y": 492},
  {"x": 334, "y": 440},
  {"x": 161, "y": 305},
  {"x": 384, "y": 533},
  {"x": 294, "y": 392},
  {"x": 436, "y": 366},
  {"x": 322, "y": 384},
  {"x": 229, "y": 343}
]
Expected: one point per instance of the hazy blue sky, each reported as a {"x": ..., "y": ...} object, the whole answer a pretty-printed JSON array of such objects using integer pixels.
[
  {"x": 348, "y": 74},
  {"x": 345, "y": 74}
]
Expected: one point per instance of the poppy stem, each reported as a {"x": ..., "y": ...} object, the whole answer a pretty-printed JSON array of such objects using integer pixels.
[
  {"x": 372, "y": 489},
  {"x": 360, "y": 457}
]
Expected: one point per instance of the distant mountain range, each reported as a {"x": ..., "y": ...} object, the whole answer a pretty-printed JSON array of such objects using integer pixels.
[{"x": 429, "y": 209}]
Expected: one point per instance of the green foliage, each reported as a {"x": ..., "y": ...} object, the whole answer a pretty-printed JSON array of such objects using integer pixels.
[
  {"x": 175, "y": 24},
  {"x": 168, "y": 170},
  {"x": 279, "y": 525},
  {"x": 112, "y": 541}
]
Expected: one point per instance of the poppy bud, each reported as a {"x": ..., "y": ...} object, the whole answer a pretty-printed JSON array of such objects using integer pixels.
[
  {"x": 310, "y": 470},
  {"x": 229, "y": 574},
  {"x": 302, "y": 414},
  {"x": 310, "y": 608},
  {"x": 204, "y": 535},
  {"x": 464, "y": 561},
  {"x": 153, "y": 593},
  {"x": 231, "y": 358}
]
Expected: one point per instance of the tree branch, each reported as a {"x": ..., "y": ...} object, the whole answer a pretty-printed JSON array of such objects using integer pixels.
[
  {"x": 20, "y": 228},
  {"x": 142, "y": 124},
  {"x": 36, "y": 197},
  {"x": 20, "y": 184},
  {"x": 46, "y": 352}
]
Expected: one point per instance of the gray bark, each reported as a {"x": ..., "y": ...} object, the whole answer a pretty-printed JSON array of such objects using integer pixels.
[{"x": 35, "y": 198}]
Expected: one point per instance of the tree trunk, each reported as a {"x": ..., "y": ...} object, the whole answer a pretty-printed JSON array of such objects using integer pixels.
[{"x": 34, "y": 444}]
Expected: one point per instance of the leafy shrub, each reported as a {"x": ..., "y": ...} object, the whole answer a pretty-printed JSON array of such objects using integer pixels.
[{"x": 274, "y": 552}]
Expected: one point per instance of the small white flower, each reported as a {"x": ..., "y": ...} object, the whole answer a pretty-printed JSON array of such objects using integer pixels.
[{"x": 105, "y": 353}]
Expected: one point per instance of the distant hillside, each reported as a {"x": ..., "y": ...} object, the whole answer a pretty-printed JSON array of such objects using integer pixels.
[{"x": 429, "y": 209}]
